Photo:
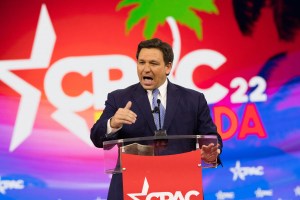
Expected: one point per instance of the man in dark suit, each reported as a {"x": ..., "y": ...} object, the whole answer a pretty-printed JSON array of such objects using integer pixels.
[{"x": 129, "y": 113}]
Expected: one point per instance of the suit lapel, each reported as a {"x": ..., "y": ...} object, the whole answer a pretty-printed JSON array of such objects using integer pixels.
[
  {"x": 141, "y": 99},
  {"x": 173, "y": 97}
]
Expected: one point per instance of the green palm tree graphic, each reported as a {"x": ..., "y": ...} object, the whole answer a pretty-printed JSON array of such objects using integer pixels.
[{"x": 156, "y": 12}]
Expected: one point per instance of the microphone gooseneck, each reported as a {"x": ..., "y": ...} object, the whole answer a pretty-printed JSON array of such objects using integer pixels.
[
  {"x": 160, "y": 132},
  {"x": 159, "y": 121}
]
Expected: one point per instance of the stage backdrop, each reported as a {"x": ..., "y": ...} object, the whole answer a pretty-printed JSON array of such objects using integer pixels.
[{"x": 59, "y": 59}]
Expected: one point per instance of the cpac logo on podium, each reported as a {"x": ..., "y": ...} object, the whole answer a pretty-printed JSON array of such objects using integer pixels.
[{"x": 162, "y": 195}]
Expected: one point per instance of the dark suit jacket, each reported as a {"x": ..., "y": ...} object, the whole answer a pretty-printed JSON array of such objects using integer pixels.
[{"x": 187, "y": 113}]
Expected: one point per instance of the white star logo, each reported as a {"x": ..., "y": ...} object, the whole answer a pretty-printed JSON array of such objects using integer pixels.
[
  {"x": 237, "y": 171},
  {"x": 30, "y": 96},
  {"x": 242, "y": 172},
  {"x": 143, "y": 193}
]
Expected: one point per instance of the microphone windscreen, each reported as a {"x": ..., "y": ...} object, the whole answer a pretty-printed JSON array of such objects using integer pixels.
[{"x": 155, "y": 110}]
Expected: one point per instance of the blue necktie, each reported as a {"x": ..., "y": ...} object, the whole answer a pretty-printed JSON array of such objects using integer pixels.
[{"x": 161, "y": 109}]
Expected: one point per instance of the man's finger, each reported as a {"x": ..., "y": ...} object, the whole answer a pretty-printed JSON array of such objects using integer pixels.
[
  {"x": 128, "y": 105},
  {"x": 210, "y": 148},
  {"x": 205, "y": 148}
]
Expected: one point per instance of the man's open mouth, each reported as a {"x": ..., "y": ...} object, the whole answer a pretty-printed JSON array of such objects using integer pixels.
[{"x": 147, "y": 78}]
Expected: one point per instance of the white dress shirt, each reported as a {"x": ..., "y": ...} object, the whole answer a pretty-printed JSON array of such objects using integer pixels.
[{"x": 162, "y": 95}]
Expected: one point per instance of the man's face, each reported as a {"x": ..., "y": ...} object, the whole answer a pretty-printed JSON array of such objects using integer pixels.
[{"x": 151, "y": 68}]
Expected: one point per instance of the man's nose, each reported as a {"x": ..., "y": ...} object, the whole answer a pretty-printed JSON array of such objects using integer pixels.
[{"x": 147, "y": 67}]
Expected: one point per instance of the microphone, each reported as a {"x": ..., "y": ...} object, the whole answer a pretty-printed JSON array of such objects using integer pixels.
[{"x": 155, "y": 110}]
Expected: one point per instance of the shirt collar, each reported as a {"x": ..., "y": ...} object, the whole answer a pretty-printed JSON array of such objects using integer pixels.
[{"x": 162, "y": 89}]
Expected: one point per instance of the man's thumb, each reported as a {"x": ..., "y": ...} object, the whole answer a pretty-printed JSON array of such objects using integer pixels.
[{"x": 128, "y": 105}]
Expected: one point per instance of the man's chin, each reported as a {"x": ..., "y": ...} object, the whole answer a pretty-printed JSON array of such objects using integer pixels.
[{"x": 147, "y": 87}]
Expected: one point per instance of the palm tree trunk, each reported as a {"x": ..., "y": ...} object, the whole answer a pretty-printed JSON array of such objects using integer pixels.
[{"x": 176, "y": 41}]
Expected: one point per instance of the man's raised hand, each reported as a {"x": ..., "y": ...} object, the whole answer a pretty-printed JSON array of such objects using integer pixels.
[{"x": 123, "y": 116}]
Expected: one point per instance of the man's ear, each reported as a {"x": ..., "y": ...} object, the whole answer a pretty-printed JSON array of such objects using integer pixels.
[{"x": 168, "y": 68}]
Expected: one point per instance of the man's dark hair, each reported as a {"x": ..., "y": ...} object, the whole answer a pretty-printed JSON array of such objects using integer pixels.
[{"x": 165, "y": 48}]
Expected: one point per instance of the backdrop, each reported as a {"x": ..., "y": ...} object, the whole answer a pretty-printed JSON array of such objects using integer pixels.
[{"x": 59, "y": 59}]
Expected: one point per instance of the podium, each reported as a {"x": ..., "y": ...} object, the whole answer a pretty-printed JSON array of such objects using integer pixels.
[{"x": 159, "y": 167}]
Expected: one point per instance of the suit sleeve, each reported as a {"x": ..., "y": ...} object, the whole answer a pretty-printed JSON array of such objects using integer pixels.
[
  {"x": 98, "y": 131},
  {"x": 206, "y": 124}
]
